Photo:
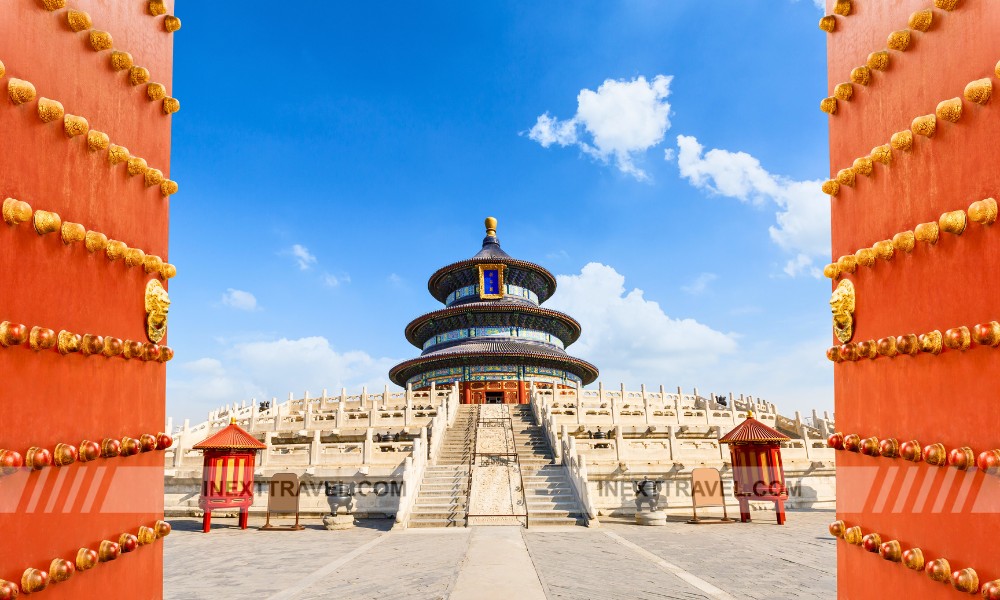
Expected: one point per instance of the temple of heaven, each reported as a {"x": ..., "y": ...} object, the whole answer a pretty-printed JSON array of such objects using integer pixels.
[{"x": 493, "y": 337}]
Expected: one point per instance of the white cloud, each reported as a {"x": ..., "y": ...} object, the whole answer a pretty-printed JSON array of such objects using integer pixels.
[
  {"x": 620, "y": 120},
  {"x": 630, "y": 338},
  {"x": 303, "y": 257},
  {"x": 700, "y": 284},
  {"x": 239, "y": 300},
  {"x": 633, "y": 341},
  {"x": 263, "y": 369},
  {"x": 333, "y": 281},
  {"x": 669, "y": 154},
  {"x": 803, "y": 218},
  {"x": 549, "y": 130},
  {"x": 801, "y": 264}
]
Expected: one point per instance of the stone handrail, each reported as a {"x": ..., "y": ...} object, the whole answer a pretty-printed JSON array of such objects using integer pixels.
[
  {"x": 413, "y": 472},
  {"x": 310, "y": 416},
  {"x": 602, "y": 407},
  {"x": 543, "y": 417},
  {"x": 439, "y": 425},
  {"x": 576, "y": 464}
]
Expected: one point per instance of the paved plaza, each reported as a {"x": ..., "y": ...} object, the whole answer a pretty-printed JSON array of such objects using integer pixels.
[{"x": 615, "y": 560}]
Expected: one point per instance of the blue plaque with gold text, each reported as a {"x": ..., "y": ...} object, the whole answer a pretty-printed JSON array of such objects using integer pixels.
[{"x": 491, "y": 285}]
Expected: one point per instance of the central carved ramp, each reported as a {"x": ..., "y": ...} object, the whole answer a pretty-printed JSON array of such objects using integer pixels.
[{"x": 496, "y": 493}]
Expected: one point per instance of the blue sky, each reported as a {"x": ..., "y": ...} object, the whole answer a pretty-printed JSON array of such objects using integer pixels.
[{"x": 658, "y": 156}]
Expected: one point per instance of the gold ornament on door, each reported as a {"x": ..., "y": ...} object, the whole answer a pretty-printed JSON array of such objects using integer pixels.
[
  {"x": 157, "y": 307},
  {"x": 842, "y": 307}
]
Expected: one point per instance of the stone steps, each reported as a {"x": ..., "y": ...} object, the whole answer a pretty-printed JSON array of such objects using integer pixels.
[
  {"x": 535, "y": 521},
  {"x": 443, "y": 493},
  {"x": 428, "y": 506},
  {"x": 442, "y": 490},
  {"x": 555, "y": 492},
  {"x": 436, "y": 522},
  {"x": 547, "y": 489}
]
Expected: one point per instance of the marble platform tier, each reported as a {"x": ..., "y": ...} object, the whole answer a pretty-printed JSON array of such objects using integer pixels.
[
  {"x": 610, "y": 438},
  {"x": 382, "y": 444}
]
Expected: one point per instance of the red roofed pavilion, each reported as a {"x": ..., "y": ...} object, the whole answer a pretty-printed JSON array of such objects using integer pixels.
[
  {"x": 227, "y": 477},
  {"x": 758, "y": 474}
]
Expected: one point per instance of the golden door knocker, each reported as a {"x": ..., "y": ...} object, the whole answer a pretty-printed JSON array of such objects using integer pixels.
[
  {"x": 842, "y": 307},
  {"x": 157, "y": 307}
]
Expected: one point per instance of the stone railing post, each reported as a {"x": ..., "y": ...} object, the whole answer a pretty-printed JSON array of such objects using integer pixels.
[
  {"x": 367, "y": 451},
  {"x": 670, "y": 441},
  {"x": 254, "y": 413},
  {"x": 314, "y": 449},
  {"x": 308, "y": 418},
  {"x": 616, "y": 405},
  {"x": 578, "y": 402},
  {"x": 265, "y": 454},
  {"x": 341, "y": 407},
  {"x": 645, "y": 402},
  {"x": 620, "y": 452},
  {"x": 364, "y": 396},
  {"x": 179, "y": 447}
]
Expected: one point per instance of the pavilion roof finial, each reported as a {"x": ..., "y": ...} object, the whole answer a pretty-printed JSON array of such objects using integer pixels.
[{"x": 491, "y": 227}]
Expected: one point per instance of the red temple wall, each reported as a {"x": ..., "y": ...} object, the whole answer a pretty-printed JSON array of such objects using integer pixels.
[
  {"x": 474, "y": 392},
  {"x": 950, "y": 398},
  {"x": 48, "y": 398},
  {"x": 515, "y": 392}
]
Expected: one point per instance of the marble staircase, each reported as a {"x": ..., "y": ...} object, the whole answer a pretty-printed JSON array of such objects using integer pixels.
[
  {"x": 442, "y": 500},
  {"x": 443, "y": 497},
  {"x": 547, "y": 488}
]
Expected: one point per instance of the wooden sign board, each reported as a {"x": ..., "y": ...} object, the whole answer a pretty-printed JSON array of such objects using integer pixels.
[
  {"x": 283, "y": 499},
  {"x": 707, "y": 490}
]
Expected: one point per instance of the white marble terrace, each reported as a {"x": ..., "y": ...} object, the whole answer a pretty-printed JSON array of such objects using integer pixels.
[{"x": 650, "y": 432}]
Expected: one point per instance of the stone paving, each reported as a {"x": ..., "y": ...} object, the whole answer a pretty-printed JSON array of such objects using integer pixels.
[{"x": 615, "y": 560}]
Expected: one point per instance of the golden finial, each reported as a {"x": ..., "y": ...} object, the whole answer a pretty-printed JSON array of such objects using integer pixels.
[
  {"x": 750, "y": 413},
  {"x": 491, "y": 227},
  {"x": 232, "y": 420}
]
